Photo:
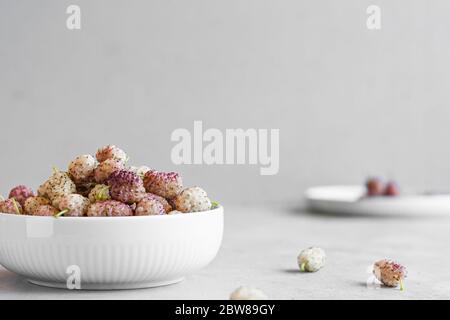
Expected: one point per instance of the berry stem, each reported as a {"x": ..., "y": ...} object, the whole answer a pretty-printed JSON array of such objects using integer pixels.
[
  {"x": 61, "y": 213},
  {"x": 402, "y": 287},
  {"x": 302, "y": 267},
  {"x": 214, "y": 204},
  {"x": 55, "y": 169},
  {"x": 1, "y": 198},
  {"x": 16, "y": 207},
  {"x": 102, "y": 194}
]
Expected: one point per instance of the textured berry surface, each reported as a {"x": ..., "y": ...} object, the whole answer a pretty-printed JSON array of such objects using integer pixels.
[
  {"x": 126, "y": 186},
  {"x": 10, "y": 206},
  {"x": 149, "y": 207},
  {"x": 311, "y": 259},
  {"x": 389, "y": 272},
  {"x": 248, "y": 293},
  {"x": 45, "y": 210},
  {"x": 21, "y": 193},
  {"x": 140, "y": 171},
  {"x": 111, "y": 152},
  {"x": 81, "y": 169},
  {"x": 42, "y": 190},
  {"x": 32, "y": 203},
  {"x": 58, "y": 185},
  {"x": 109, "y": 208},
  {"x": 76, "y": 205},
  {"x": 167, "y": 207},
  {"x": 192, "y": 199},
  {"x": 106, "y": 168},
  {"x": 99, "y": 193},
  {"x": 164, "y": 184},
  {"x": 85, "y": 188}
]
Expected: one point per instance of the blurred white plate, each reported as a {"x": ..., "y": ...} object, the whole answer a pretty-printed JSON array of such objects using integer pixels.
[{"x": 351, "y": 200}]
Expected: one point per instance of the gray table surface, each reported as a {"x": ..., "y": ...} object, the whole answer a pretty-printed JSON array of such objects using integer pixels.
[{"x": 260, "y": 247}]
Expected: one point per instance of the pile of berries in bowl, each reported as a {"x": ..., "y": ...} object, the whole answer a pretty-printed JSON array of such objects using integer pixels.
[
  {"x": 105, "y": 186},
  {"x": 106, "y": 225}
]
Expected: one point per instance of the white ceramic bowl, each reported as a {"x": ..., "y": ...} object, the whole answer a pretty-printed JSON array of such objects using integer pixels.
[{"x": 109, "y": 252}]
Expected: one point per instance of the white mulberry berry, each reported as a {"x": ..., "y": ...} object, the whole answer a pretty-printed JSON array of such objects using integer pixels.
[
  {"x": 81, "y": 169},
  {"x": 311, "y": 259},
  {"x": 111, "y": 152},
  {"x": 192, "y": 199},
  {"x": 58, "y": 185},
  {"x": 140, "y": 171},
  {"x": 75, "y": 205},
  {"x": 248, "y": 293},
  {"x": 32, "y": 203},
  {"x": 106, "y": 168}
]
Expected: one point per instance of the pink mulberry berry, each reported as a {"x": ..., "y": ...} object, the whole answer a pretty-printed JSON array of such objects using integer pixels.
[
  {"x": 21, "y": 193},
  {"x": 164, "y": 184},
  {"x": 167, "y": 207},
  {"x": 109, "y": 208},
  {"x": 126, "y": 186},
  {"x": 10, "y": 206},
  {"x": 148, "y": 207},
  {"x": 390, "y": 273}
]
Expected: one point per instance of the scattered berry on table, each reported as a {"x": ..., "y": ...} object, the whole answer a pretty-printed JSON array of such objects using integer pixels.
[
  {"x": 389, "y": 273},
  {"x": 164, "y": 184},
  {"x": 111, "y": 152},
  {"x": 109, "y": 208},
  {"x": 104, "y": 169},
  {"x": 21, "y": 193},
  {"x": 192, "y": 199},
  {"x": 311, "y": 259},
  {"x": 126, "y": 186},
  {"x": 248, "y": 293}
]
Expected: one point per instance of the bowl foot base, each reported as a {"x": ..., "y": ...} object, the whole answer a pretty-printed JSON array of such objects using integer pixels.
[{"x": 107, "y": 286}]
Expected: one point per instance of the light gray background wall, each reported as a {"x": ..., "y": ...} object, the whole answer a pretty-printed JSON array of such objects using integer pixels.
[{"x": 348, "y": 101}]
